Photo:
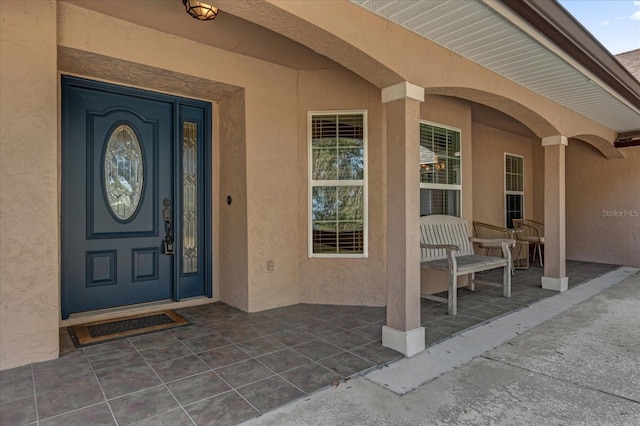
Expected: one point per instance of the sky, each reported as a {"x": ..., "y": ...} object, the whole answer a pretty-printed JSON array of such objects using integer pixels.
[{"x": 615, "y": 23}]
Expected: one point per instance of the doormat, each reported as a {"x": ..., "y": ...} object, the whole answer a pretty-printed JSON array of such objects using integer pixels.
[{"x": 119, "y": 328}]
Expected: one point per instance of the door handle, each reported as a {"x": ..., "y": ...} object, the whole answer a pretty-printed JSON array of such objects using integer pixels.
[{"x": 168, "y": 239}]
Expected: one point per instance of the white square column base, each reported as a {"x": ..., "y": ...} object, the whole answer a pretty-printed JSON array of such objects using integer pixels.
[
  {"x": 407, "y": 342},
  {"x": 556, "y": 284}
]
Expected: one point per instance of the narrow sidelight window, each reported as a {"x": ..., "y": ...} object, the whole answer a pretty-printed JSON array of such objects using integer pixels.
[
  {"x": 513, "y": 188},
  {"x": 189, "y": 197}
]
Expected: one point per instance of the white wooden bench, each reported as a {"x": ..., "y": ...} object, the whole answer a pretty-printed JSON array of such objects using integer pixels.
[{"x": 446, "y": 246}]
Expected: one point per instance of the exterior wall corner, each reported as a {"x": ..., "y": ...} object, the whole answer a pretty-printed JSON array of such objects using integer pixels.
[{"x": 29, "y": 246}]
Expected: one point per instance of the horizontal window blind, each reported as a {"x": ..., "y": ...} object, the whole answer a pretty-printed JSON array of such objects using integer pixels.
[
  {"x": 514, "y": 188},
  {"x": 338, "y": 197},
  {"x": 440, "y": 170}
]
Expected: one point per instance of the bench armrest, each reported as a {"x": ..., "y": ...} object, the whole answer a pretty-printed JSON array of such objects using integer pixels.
[
  {"x": 451, "y": 254},
  {"x": 504, "y": 244},
  {"x": 440, "y": 246},
  {"x": 509, "y": 241}
]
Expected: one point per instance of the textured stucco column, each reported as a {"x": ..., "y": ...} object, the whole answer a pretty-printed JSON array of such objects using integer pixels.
[
  {"x": 555, "y": 274},
  {"x": 403, "y": 332},
  {"x": 29, "y": 243}
]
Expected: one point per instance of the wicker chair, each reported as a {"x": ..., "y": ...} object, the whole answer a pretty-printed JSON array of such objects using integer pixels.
[
  {"x": 519, "y": 254},
  {"x": 532, "y": 232}
]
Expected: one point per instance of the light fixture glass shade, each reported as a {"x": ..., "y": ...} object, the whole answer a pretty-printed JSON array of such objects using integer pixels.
[{"x": 199, "y": 10}]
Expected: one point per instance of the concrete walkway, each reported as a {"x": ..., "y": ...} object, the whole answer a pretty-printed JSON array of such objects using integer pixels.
[{"x": 580, "y": 367}]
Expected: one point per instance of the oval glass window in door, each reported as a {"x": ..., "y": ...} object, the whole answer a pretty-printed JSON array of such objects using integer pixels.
[{"x": 123, "y": 172}]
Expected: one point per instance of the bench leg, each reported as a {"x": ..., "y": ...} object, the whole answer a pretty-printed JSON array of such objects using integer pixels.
[
  {"x": 472, "y": 283},
  {"x": 540, "y": 254},
  {"x": 453, "y": 296},
  {"x": 506, "y": 281},
  {"x": 538, "y": 249}
]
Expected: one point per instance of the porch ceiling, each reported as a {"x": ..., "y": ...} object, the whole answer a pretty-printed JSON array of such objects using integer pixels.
[
  {"x": 488, "y": 33},
  {"x": 483, "y": 31},
  {"x": 227, "y": 32}
]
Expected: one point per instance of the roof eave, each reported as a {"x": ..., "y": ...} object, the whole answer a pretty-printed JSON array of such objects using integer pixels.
[{"x": 555, "y": 23}]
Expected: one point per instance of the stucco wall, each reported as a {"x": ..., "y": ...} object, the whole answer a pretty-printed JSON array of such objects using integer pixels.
[
  {"x": 603, "y": 206},
  {"x": 489, "y": 148},
  {"x": 29, "y": 245},
  {"x": 272, "y": 191},
  {"x": 344, "y": 281},
  {"x": 232, "y": 236}
]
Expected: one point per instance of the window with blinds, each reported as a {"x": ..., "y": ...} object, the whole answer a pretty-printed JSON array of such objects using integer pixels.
[
  {"x": 440, "y": 170},
  {"x": 513, "y": 188},
  {"x": 338, "y": 184}
]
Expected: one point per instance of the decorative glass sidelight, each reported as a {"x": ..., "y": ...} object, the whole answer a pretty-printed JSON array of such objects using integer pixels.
[
  {"x": 189, "y": 197},
  {"x": 123, "y": 172}
]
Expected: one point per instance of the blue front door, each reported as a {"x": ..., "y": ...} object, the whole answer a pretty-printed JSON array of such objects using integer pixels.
[{"x": 133, "y": 204}]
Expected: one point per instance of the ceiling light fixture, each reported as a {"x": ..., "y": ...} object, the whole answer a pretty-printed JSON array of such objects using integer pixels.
[{"x": 200, "y": 11}]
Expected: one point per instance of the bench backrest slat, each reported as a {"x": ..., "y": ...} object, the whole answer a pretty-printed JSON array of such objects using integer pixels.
[{"x": 440, "y": 229}]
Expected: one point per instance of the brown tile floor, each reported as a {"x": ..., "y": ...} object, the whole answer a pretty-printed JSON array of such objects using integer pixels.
[
  {"x": 229, "y": 366},
  {"x": 486, "y": 302}
]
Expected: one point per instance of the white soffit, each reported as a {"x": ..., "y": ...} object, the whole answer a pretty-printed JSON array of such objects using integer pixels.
[{"x": 474, "y": 30}]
